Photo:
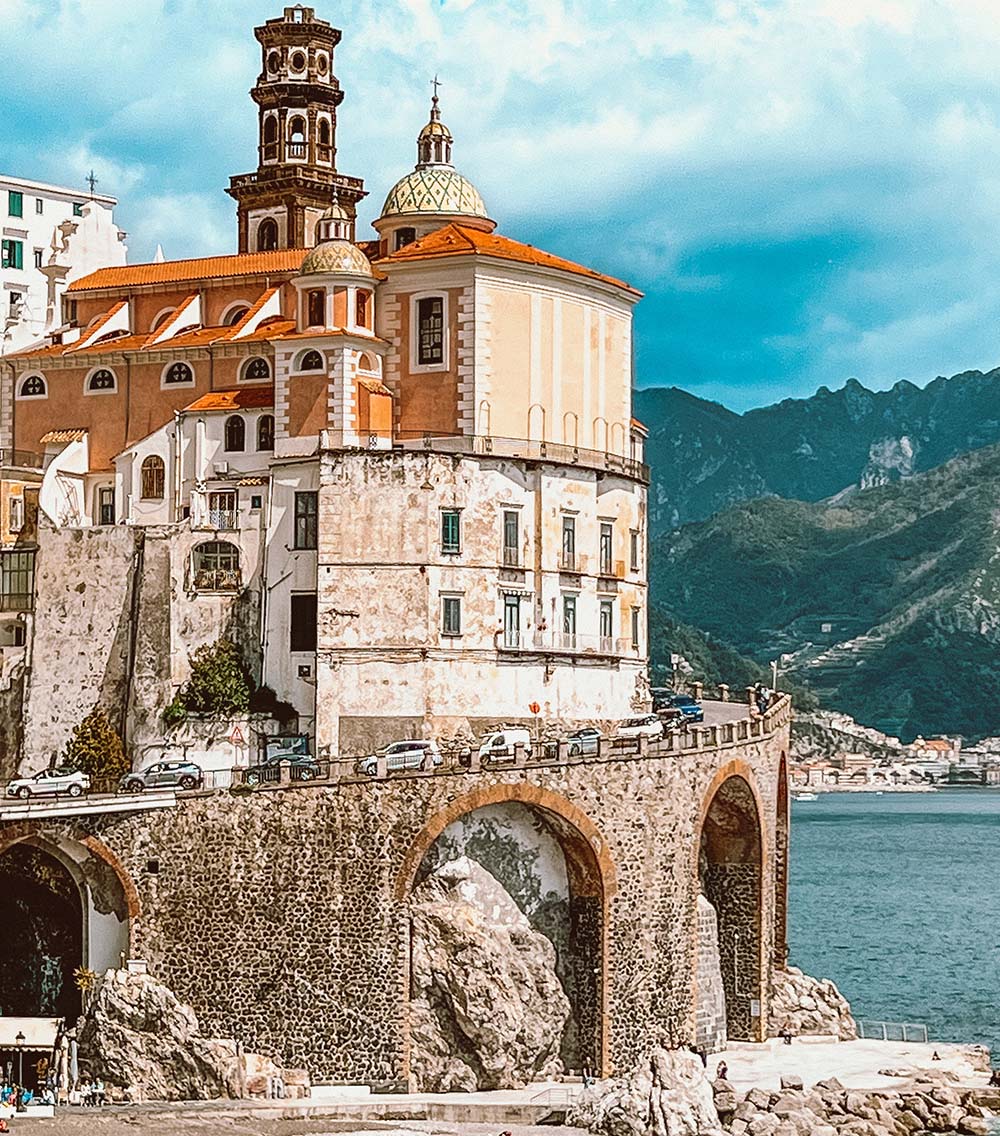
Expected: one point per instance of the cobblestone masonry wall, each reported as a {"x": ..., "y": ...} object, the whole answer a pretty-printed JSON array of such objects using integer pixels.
[{"x": 281, "y": 915}]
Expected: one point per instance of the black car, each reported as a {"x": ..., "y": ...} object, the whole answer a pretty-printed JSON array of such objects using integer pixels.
[{"x": 303, "y": 767}]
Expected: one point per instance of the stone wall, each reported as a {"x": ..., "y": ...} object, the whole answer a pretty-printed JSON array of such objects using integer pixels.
[
  {"x": 281, "y": 915},
  {"x": 710, "y": 1016}
]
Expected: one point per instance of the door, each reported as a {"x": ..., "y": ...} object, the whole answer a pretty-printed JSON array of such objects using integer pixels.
[
  {"x": 222, "y": 509},
  {"x": 106, "y": 505},
  {"x": 511, "y": 621}
]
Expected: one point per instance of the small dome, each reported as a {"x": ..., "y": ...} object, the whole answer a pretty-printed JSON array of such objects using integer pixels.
[
  {"x": 336, "y": 256},
  {"x": 435, "y": 129},
  {"x": 336, "y": 212},
  {"x": 434, "y": 189}
]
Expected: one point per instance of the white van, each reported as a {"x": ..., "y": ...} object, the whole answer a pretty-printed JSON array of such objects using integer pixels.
[{"x": 499, "y": 745}]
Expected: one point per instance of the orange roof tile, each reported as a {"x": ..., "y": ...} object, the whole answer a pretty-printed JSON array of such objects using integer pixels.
[
  {"x": 199, "y": 268},
  {"x": 459, "y": 240},
  {"x": 375, "y": 386},
  {"x": 246, "y": 398},
  {"x": 62, "y": 436}
]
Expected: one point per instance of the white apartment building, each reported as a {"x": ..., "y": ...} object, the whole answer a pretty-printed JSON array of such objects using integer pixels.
[{"x": 51, "y": 236}]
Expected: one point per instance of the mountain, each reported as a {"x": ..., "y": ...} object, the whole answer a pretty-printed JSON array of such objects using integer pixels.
[
  {"x": 886, "y": 599},
  {"x": 705, "y": 458}
]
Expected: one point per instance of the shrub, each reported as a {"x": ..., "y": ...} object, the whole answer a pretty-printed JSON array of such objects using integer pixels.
[
  {"x": 96, "y": 749},
  {"x": 220, "y": 683}
]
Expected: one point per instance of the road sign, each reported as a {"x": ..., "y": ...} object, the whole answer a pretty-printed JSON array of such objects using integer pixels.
[
  {"x": 534, "y": 707},
  {"x": 236, "y": 737}
]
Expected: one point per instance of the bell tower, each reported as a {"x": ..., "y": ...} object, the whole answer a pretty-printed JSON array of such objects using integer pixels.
[{"x": 297, "y": 95}]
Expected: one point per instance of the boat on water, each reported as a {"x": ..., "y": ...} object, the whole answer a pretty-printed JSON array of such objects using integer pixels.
[{"x": 805, "y": 797}]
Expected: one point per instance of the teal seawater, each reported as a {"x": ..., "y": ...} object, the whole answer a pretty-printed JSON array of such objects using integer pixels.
[{"x": 897, "y": 899}]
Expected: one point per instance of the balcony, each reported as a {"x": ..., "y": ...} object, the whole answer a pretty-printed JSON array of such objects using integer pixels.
[
  {"x": 21, "y": 459},
  {"x": 295, "y": 150},
  {"x": 511, "y": 557},
  {"x": 223, "y": 520},
  {"x": 565, "y": 642},
  {"x": 217, "y": 580}
]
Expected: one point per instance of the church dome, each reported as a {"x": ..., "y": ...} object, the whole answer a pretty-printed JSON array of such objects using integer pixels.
[
  {"x": 434, "y": 189},
  {"x": 336, "y": 256}
]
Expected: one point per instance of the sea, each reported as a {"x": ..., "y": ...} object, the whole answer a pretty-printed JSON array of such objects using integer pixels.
[{"x": 896, "y": 897}]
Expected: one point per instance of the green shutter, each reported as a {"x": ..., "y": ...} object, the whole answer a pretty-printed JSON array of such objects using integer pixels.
[
  {"x": 15, "y": 203},
  {"x": 17, "y": 254}
]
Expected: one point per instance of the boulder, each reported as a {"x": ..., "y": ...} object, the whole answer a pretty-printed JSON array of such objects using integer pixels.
[
  {"x": 487, "y": 1008},
  {"x": 804, "y": 1005},
  {"x": 137, "y": 1036}
]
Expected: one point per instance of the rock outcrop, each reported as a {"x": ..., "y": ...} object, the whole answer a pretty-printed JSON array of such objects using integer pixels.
[
  {"x": 488, "y": 1010},
  {"x": 804, "y": 1005},
  {"x": 667, "y": 1095},
  {"x": 138, "y": 1037}
]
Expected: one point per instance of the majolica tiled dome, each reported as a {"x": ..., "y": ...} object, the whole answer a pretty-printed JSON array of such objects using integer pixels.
[
  {"x": 336, "y": 256},
  {"x": 434, "y": 189}
]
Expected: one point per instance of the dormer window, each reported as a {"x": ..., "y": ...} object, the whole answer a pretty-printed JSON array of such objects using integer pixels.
[
  {"x": 316, "y": 308},
  {"x": 311, "y": 361},
  {"x": 405, "y": 237}
]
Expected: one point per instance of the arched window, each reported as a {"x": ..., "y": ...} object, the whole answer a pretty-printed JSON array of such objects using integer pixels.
[
  {"x": 362, "y": 300},
  {"x": 178, "y": 374},
  {"x": 267, "y": 235},
  {"x": 232, "y": 316},
  {"x": 324, "y": 132},
  {"x": 256, "y": 369},
  {"x": 33, "y": 387},
  {"x": 265, "y": 432},
  {"x": 151, "y": 479},
  {"x": 101, "y": 380},
  {"x": 316, "y": 308},
  {"x": 296, "y": 137},
  {"x": 161, "y": 318},
  {"x": 311, "y": 361},
  {"x": 270, "y": 139},
  {"x": 367, "y": 363},
  {"x": 216, "y": 565},
  {"x": 236, "y": 434}
]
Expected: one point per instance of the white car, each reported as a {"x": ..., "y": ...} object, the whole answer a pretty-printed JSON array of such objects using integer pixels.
[
  {"x": 408, "y": 754},
  {"x": 49, "y": 783},
  {"x": 649, "y": 726}
]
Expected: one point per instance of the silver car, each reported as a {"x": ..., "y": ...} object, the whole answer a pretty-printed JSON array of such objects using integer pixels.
[{"x": 163, "y": 775}]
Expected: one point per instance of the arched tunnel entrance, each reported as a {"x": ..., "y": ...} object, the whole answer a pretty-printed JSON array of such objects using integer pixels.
[
  {"x": 507, "y": 927},
  {"x": 730, "y": 870}
]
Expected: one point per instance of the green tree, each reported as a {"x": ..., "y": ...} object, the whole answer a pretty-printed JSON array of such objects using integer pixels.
[
  {"x": 220, "y": 682},
  {"x": 96, "y": 749}
]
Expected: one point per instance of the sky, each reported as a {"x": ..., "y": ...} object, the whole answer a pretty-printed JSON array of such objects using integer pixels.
[{"x": 805, "y": 190}]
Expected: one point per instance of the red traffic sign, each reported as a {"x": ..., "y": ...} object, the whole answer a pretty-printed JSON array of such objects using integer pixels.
[
  {"x": 534, "y": 707},
  {"x": 236, "y": 737}
]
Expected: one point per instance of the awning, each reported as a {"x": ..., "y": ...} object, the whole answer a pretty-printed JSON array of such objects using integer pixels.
[{"x": 39, "y": 1033}]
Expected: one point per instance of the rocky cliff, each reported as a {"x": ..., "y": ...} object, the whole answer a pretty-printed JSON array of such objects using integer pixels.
[
  {"x": 487, "y": 1008},
  {"x": 705, "y": 458}
]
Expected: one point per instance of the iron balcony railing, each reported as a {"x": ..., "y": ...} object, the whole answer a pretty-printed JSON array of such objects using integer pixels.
[{"x": 24, "y": 459}]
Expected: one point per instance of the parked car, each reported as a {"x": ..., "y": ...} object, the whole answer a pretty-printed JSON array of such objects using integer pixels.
[
  {"x": 49, "y": 783},
  {"x": 407, "y": 754},
  {"x": 303, "y": 768},
  {"x": 648, "y": 726},
  {"x": 499, "y": 744},
  {"x": 691, "y": 709},
  {"x": 583, "y": 741},
  {"x": 163, "y": 775}
]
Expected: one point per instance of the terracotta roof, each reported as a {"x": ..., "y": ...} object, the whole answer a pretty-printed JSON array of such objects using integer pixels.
[
  {"x": 62, "y": 436},
  {"x": 246, "y": 398},
  {"x": 460, "y": 240},
  {"x": 640, "y": 425},
  {"x": 199, "y": 268},
  {"x": 276, "y": 328},
  {"x": 375, "y": 386}
]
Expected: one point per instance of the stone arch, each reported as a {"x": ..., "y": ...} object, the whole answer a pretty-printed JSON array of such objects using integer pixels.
[
  {"x": 85, "y": 905},
  {"x": 730, "y": 855},
  {"x": 536, "y": 422},
  {"x": 781, "y": 847},
  {"x": 591, "y": 884}
]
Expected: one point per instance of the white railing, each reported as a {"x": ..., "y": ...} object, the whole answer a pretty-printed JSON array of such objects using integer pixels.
[{"x": 892, "y": 1031}]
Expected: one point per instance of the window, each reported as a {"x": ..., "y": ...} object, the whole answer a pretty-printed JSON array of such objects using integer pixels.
[
  {"x": 607, "y": 533},
  {"x": 511, "y": 538},
  {"x": 235, "y": 434},
  {"x": 11, "y": 254},
  {"x": 38, "y": 258},
  {"x": 361, "y": 308},
  {"x": 451, "y": 531},
  {"x": 273, "y": 63},
  {"x": 324, "y": 132},
  {"x": 256, "y": 502},
  {"x": 33, "y": 387},
  {"x": 430, "y": 331},
  {"x": 633, "y": 545},
  {"x": 267, "y": 235},
  {"x": 451, "y": 615},
  {"x": 39, "y": 205},
  {"x": 298, "y": 63},
  {"x": 311, "y": 361},
  {"x": 16, "y": 514},
  {"x": 216, "y": 566},
  {"x": 15, "y": 305},
  {"x": 151, "y": 479},
  {"x": 234, "y": 315},
  {"x": 69, "y": 311},
  {"x": 302, "y": 625},
  {"x": 636, "y": 618},
  {"x": 106, "y": 505},
  {"x": 265, "y": 432},
  {"x": 270, "y": 146},
  {"x": 77, "y": 208},
  {"x": 17, "y": 581},
  {"x": 569, "y": 621},
  {"x": 15, "y": 203},
  {"x": 179, "y": 374},
  {"x": 101, "y": 380},
  {"x": 607, "y": 616},
  {"x": 222, "y": 509},
  {"x": 511, "y": 620},
  {"x": 256, "y": 369},
  {"x": 316, "y": 308},
  {"x": 306, "y": 517},
  {"x": 405, "y": 237},
  {"x": 568, "y": 560}
]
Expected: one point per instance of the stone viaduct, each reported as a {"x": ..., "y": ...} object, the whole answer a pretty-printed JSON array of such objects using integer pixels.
[{"x": 281, "y": 914}]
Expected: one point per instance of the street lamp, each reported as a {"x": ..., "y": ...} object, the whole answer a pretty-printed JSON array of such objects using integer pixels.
[{"x": 19, "y": 1042}]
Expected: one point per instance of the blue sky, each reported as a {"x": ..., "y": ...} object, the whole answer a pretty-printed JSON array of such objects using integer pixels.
[{"x": 806, "y": 190}]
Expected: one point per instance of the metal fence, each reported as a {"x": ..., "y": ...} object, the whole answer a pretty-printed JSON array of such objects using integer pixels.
[{"x": 893, "y": 1031}]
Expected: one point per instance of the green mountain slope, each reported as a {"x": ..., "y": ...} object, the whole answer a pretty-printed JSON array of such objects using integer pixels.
[
  {"x": 887, "y": 599},
  {"x": 705, "y": 458}
]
